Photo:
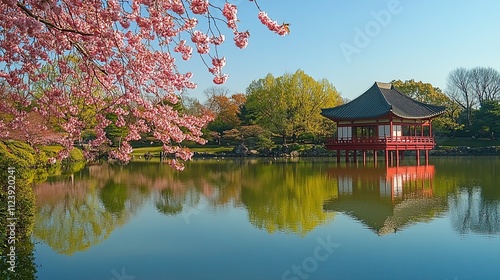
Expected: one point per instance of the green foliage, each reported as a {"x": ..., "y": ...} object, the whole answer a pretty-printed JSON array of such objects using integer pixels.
[
  {"x": 264, "y": 142},
  {"x": 448, "y": 122},
  {"x": 26, "y": 268},
  {"x": 288, "y": 198},
  {"x": 219, "y": 126},
  {"x": 22, "y": 151},
  {"x": 487, "y": 119},
  {"x": 11, "y": 155},
  {"x": 76, "y": 155},
  {"x": 114, "y": 196},
  {"x": 290, "y": 105},
  {"x": 20, "y": 162},
  {"x": 114, "y": 132},
  {"x": 168, "y": 203}
]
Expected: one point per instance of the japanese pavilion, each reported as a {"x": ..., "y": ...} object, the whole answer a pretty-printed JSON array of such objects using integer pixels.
[{"x": 383, "y": 119}]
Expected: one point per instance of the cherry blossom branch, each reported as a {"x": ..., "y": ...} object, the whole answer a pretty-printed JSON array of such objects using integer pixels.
[{"x": 49, "y": 24}]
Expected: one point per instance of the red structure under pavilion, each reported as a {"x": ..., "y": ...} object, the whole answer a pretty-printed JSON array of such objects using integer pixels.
[{"x": 382, "y": 119}]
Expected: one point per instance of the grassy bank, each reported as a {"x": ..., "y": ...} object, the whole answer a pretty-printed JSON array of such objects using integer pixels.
[{"x": 208, "y": 149}]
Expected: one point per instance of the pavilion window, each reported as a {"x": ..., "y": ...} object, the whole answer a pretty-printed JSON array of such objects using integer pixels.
[
  {"x": 397, "y": 130},
  {"x": 344, "y": 132},
  {"x": 383, "y": 131}
]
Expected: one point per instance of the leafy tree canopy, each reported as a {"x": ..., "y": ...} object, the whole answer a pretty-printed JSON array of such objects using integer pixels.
[{"x": 290, "y": 105}]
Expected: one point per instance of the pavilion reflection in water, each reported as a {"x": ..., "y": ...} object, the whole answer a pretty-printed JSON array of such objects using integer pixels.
[{"x": 386, "y": 199}]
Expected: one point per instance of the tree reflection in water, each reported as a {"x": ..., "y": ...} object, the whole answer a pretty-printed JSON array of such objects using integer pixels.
[
  {"x": 74, "y": 213},
  {"x": 79, "y": 211},
  {"x": 473, "y": 193},
  {"x": 470, "y": 212},
  {"x": 169, "y": 203}
]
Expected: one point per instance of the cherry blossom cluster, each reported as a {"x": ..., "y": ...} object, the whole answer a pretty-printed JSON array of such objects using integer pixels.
[
  {"x": 281, "y": 29},
  {"x": 75, "y": 66},
  {"x": 199, "y": 6},
  {"x": 230, "y": 13}
]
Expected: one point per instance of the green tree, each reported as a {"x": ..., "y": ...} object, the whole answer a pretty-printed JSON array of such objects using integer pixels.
[
  {"x": 427, "y": 93},
  {"x": 290, "y": 105},
  {"x": 487, "y": 119}
]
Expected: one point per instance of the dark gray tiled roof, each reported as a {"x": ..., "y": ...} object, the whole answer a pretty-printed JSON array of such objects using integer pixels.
[{"x": 382, "y": 99}]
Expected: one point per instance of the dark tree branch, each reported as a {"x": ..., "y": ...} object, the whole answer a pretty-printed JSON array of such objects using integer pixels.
[{"x": 48, "y": 23}]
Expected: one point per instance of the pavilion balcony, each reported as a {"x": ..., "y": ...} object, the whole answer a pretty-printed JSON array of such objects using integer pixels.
[{"x": 396, "y": 143}]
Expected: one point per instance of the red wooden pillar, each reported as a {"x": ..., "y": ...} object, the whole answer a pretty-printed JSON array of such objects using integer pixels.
[
  {"x": 397, "y": 157},
  {"x": 375, "y": 156},
  {"x": 364, "y": 158},
  {"x": 430, "y": 128},
  {"x": 391, "y": 130},
  {"x": 417, "y": 154},
  {"x": 426, "y": 157},
  {"x": 386, "y": 158}
]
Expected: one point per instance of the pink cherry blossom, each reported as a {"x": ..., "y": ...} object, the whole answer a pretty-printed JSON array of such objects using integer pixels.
[
  {"x": 184, "y": 49},
  {"x": 220, "y": 79},
  {"x": 199, "y": 6},
  {"x": 201, "y": 40},
  {"x": 229, "y": 12},
  {"x": 280, "y": 29},
  {"x": 241, "y": 39},
  {"x": 72, "y": 66}
]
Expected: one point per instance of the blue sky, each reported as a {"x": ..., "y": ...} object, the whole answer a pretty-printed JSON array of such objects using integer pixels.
[{"x": 354, "y": 43}]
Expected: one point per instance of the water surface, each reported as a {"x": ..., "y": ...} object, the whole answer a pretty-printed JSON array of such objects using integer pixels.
[{"x": 267, "y": 219}]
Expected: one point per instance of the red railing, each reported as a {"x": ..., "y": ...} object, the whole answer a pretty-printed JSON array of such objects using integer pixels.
[{"x": 385, "y": 140}]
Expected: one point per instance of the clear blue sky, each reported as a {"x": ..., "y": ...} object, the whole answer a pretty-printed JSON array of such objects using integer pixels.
[{"x": 405, "y": 39}]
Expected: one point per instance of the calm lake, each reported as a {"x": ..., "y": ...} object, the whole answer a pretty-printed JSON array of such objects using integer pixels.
[{"x": 271, "y": 219}]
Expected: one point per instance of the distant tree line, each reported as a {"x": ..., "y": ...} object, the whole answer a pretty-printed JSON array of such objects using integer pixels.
[
  {"x": 477, "y": 92},
  {"x": 274, "y": 110},
  {"x": 286, "y": 109}
]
